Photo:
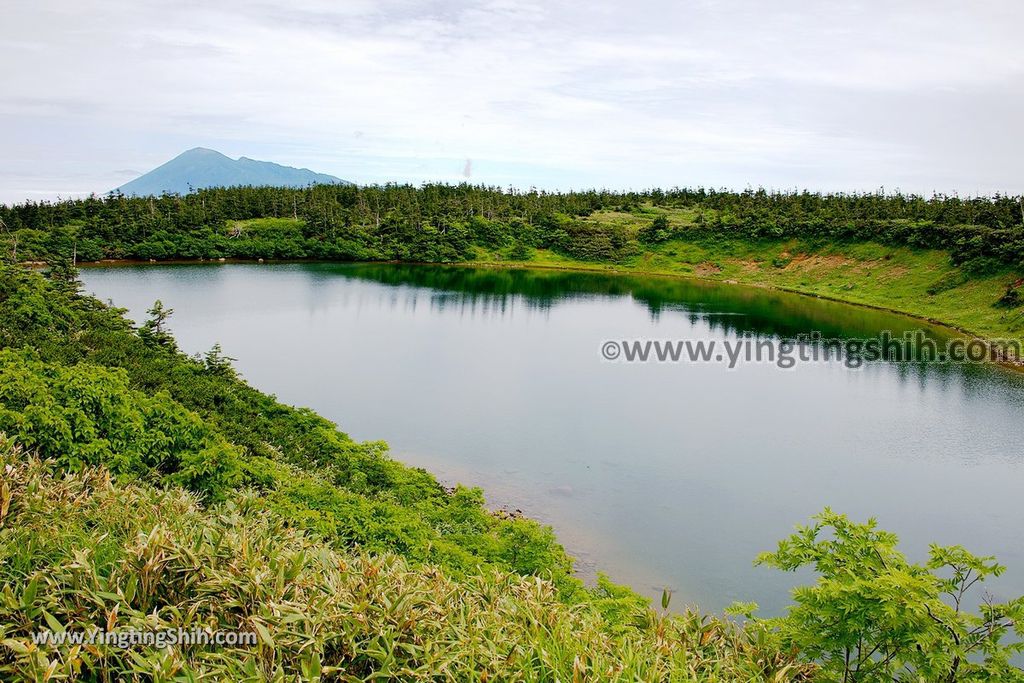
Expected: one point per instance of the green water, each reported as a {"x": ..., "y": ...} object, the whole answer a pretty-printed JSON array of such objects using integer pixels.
[{"x": 662, "y": 475}]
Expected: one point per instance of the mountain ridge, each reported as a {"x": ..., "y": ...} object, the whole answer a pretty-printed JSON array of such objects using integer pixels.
[{"x": 201, "y": 167}]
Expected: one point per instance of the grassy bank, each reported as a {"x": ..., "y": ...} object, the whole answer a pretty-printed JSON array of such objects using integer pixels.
[
  {"x": 921, "y": 282},
  {"x": 917, "y": 282}
]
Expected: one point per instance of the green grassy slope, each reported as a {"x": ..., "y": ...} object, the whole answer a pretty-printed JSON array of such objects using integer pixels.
[{"x": 919, "y": 282}]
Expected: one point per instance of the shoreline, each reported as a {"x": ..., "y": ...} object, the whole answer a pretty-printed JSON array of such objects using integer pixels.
[
  {"x": 586, "y": 562},
  {"x": 610, "y": 269}
]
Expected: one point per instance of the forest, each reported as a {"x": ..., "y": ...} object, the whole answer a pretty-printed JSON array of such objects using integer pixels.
[{"x": 444, "y": 223}]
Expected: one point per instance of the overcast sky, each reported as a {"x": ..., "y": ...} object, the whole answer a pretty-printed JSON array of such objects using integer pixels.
[{"x": 921, "y": 95}]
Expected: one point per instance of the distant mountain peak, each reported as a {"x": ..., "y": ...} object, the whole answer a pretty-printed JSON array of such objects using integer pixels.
[
  {"x": 202, "y": 167},
  {"x": 198, "y": 151}
]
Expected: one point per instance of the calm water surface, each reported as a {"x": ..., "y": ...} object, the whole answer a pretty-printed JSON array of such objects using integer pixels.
[{"x": 670, "y": 475}]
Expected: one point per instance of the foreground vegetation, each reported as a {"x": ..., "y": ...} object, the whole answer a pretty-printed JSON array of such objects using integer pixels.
[
  {"x": 145, "y": 488},
  {"x": 959, "y": 261},
  {"x": 79, "y": 552}
]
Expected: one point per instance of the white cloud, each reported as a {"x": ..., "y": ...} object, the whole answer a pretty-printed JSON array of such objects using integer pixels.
[{"x": 834, "y": 95}]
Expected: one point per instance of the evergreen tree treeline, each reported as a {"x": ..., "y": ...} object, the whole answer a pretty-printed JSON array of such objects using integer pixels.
[{"x": 438, "y": 222}]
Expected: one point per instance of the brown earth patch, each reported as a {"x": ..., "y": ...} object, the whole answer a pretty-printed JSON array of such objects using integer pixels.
[
  {"x": 893, "y": 272},
  {"x": 750, "y": 266},
  {"x": 707, "y": 268},
  {"x": 805, "y": 262}
]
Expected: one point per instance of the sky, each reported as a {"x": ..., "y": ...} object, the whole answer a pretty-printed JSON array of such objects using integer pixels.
[{"x": 918, "y": 95}]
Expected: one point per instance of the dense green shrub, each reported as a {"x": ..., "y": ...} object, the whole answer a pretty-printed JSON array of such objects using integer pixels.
[
  {"x": 86, "y": 415},
  {"x": 657, "y": 231},
  {"x": 1011, "y": 299},
  {"x": 874, "y": 617}
]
